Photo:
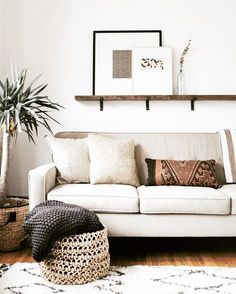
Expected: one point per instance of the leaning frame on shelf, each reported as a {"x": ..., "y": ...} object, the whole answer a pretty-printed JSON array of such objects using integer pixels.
[{"x": 110, "y": 48}]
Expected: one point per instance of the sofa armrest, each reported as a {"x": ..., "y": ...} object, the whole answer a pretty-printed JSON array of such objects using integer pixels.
[{"x": 41, "y": 180}]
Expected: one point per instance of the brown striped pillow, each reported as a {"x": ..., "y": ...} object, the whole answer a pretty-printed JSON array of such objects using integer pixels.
[
  {"x": 228, "y": 143},
  {"x": 182, "y": 173}
]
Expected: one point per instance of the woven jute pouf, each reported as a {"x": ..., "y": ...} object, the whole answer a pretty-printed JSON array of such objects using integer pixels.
[
  {"x": 78, "y": 259},
  {"x": 11, "y": 220}
]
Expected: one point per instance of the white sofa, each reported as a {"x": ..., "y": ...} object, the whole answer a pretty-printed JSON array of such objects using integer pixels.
[{"x": 150, "y": 210}]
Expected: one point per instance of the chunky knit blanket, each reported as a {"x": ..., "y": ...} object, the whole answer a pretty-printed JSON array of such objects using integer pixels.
[{"x": 53, "y": 220}]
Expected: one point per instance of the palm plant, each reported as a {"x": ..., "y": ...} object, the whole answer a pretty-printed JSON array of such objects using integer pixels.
[{"x": 22, "y": 108}]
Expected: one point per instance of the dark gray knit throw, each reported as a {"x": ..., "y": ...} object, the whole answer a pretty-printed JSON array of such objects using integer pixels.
[{"x": 53, "y": 220}]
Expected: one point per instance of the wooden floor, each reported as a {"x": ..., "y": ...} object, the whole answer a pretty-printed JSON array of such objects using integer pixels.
[{"x": 158, "y": 251}]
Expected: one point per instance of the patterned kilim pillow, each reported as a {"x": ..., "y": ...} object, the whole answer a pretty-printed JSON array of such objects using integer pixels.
[{"x": 182, "y": 173}]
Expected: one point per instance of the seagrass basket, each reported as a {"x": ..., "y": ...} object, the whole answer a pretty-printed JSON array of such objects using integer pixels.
[
  {"x": 78, "y": 259},
  {"x": 11, "y": 220}
]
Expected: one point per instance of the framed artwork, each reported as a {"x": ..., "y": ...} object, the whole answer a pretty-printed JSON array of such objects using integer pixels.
[
  {"x": 152, "y": 71},
  {"x": 112, "y": 59}
]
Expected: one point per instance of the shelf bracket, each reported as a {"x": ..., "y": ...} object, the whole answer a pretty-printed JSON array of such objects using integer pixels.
[
  {"x": 101, "y": 104},
  {"x": 192, "y": 103},
  {"x": 147, "y": 104}
]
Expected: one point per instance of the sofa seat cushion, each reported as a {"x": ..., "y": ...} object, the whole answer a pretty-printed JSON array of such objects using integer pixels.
[
  {"x": 100, "y": 198},
  {"x": 230, "y": 191},
  {"x": 181, "y": 199}
]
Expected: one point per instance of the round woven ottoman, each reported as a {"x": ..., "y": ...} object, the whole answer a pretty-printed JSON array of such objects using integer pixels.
[{"x": 78, "y": 259}]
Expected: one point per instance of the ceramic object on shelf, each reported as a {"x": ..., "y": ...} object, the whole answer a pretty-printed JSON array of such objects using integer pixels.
[{"x": 180, "y": 83}]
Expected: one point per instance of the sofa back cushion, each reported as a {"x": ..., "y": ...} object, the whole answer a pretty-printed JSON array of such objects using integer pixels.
[{"x": 178, "y": 146}]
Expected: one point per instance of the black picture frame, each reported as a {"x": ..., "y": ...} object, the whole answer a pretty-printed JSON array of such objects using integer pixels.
[{"x": 95, "y": 33}]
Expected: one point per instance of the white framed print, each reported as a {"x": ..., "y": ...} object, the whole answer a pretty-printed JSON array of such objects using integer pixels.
[
  {"x": 152, "y": 71},
  {"x": 112, "y": 59}
]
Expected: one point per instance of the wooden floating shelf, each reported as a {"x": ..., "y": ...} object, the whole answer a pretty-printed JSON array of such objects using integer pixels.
[
  {"x": 156, "y": 97},
  {"x": 148, "y": 98}
]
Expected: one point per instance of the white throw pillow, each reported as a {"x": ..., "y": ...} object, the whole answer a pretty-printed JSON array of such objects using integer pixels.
[
  {"x": 71, "y": 158},
  {"x": 112, "y": 161}
]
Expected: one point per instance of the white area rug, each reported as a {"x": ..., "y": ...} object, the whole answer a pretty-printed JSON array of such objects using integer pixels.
[{"x": 26, "y": 278}]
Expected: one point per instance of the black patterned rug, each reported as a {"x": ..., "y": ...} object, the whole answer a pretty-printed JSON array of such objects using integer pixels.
[{"x": 26, "y": 278}]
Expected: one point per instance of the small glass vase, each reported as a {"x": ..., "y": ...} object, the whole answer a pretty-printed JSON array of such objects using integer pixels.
[{"x": 180, "y": 83}]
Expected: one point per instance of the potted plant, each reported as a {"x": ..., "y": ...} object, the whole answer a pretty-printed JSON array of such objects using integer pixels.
[{"x": 22, "y": 108}]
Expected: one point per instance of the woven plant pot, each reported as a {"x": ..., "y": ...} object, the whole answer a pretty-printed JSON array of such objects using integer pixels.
[
  {"x": 78, "y": 259},
  {"x": 11, "y": 220}
]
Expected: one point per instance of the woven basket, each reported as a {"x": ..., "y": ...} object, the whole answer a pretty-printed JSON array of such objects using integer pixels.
[
  {"x": 11, "y": 220},
  {"x": 78, "y": 259}
]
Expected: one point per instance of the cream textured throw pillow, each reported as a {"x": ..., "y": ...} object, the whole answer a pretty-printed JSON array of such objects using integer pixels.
[
  {"x": 71, "y": 158},
  {"x": 112, "y": 161}
]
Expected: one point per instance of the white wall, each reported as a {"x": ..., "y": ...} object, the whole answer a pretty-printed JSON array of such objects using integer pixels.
[{"x": 55, "y": 37}]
